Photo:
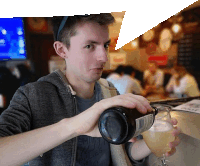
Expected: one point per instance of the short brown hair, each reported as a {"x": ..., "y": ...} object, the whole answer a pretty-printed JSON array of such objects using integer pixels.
[
  {"x": 179, "y": 68},
  {"x": 69, "y": 29},
  {"x": 153, "y": 62}
]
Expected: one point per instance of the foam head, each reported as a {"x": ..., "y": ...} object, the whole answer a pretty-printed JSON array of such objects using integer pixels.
[{"x": 161, "y": 126}]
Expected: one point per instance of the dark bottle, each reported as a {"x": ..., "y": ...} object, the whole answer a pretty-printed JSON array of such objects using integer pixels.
[{"x": 118, "y": 125}]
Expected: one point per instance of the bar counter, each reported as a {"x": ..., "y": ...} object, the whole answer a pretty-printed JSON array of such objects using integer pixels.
[
  {"x": 188, "y": 122},
  {"x": 188, "y": 150}
]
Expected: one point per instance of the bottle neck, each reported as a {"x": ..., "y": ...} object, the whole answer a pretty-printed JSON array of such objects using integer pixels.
[{"x": 155, "y": 110}]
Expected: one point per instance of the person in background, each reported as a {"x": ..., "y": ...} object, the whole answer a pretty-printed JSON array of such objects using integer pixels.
[
  {"x": 153, "y": 78},
  {"x": 128, "y": 83},
  {"x": 23, "y": 73},
  {"x": 116, "y": 74},
  {"x": 182, "y": 83},
  {"x": 8, "y": 85}
]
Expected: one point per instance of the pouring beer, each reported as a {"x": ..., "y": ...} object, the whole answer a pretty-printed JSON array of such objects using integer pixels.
[{"x": 159, "y": 135}]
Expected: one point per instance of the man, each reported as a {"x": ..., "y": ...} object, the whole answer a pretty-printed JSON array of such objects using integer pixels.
[
  {"x": 153, "y": 78},
  {"x": 54, "y": 121},
  {"x": 128, "y": 83}
]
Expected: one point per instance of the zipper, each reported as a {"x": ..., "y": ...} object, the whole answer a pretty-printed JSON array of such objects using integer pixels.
[
  {"x": 73, "y": 93},
  {"x": 76, "y": 139}
]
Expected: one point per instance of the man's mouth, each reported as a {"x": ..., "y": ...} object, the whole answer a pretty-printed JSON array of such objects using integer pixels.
[{"x": 98, "y": 69}]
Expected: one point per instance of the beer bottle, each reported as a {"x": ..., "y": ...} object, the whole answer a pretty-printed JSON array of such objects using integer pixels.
[{"x": 118, "y": 125}]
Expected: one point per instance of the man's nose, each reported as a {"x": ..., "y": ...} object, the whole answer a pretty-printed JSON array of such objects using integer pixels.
[{"x": 102, "y": 55}]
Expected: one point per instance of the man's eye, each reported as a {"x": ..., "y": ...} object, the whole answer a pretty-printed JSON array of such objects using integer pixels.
[
  {"x": 106, "y": 45},
  {"x": 89, "y": 46}
]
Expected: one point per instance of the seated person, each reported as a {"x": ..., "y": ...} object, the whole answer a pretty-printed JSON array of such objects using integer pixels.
[
  {"x": 116, "y": 74},
  {"x": 153, "y": 78},
  {"x": 128, "y": 83},
  {"x": 182, "y": 83}
]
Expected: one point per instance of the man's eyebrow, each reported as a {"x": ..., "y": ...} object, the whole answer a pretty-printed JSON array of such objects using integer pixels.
[
  {"x": 95, "y": 42},
  {"x": 108, "y": 42}
]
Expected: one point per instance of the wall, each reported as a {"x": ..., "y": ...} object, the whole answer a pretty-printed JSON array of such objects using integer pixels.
[
  {"x": 138, "y": 58},
  {"x": 172, "y": 52}
]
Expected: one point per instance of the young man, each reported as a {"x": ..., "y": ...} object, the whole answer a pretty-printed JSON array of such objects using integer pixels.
[
  {"x": 54, "y": 121},
  {"x": 153, "y": 78}
]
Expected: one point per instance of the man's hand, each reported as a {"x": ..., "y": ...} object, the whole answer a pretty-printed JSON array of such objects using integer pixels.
[
  {"x": 173, "y": 144},
  {"x": 140, "y": 150},
  {"x": 176, "y": 142},
  {"x": 86, "y": 123}
]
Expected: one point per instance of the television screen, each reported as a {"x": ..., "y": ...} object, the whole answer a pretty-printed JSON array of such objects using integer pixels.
[{"x": 12, "y": 39}]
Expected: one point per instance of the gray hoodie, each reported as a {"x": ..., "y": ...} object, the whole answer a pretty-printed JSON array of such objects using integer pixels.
[{"x": 46, "y": 102}]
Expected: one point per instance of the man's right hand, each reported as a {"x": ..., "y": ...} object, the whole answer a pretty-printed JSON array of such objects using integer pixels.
[
  {"x": 43, "y": 139},
  {"x": 86, "y": 123}
]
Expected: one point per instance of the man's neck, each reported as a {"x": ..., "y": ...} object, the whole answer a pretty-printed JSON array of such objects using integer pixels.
[
  {"x": 153, "y": 72},
  {"x": 82, "y": 88}
]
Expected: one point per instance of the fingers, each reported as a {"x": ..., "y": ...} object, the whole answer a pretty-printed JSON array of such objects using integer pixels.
[
  {"x": 176, "y": 131},
  {"x": 177, "y": 140},
  {"x": 127, "y": 100},
  {"x": 139, "y": 106},
  {"x": 143, "y": 101},
  {"x": 133, "y": 140},
  {"x": 175, "y": 143},
  {"x": 172, "y": 145},
  {"x": 171, "y": 152},
  {"x": 174, "y": 121}
]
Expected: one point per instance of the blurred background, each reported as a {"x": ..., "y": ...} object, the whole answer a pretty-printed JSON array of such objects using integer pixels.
[{"x": 27, "y": 53}]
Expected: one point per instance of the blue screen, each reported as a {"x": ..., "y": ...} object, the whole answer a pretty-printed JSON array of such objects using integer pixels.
[{"x": 12, "y": 39}]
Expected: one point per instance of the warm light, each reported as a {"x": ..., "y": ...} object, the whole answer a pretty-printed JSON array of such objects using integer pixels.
[
  {"x": 176, "y": 14},
  {"x": 176, "y": 28},
  {"x": 118, "y": 19},
  {"x": 134, "y": 44}
]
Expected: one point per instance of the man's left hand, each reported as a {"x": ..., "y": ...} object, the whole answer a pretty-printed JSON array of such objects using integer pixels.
[
  {"x": 173, "y": 144},
  {"x": 176, "y": 141}
]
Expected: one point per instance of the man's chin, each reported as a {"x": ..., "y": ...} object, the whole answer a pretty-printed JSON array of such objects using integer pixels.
[{"x": 95, "y": 78}]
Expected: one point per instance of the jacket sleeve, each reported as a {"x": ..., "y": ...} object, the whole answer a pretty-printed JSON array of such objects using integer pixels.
[
  {"x": 142, "y": 162},
  {"x": 17, "y": 117}
]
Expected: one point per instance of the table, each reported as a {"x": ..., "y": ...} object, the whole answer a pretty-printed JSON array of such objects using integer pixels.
[{"x": 157, "y": 97}]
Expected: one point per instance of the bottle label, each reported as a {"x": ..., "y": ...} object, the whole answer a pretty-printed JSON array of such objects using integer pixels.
[{"x": 143, "y": 123}]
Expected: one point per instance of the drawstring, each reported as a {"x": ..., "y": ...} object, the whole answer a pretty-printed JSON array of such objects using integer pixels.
[{"x": 73, "y": 92}]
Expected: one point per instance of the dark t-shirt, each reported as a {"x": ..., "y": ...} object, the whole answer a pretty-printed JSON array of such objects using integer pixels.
[{"x": 91, "y": 151}]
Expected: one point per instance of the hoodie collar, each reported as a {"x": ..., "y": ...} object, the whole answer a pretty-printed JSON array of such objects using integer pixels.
[
  {"x": 66, "y": 83},
  {"x": 64, "y": 80}
]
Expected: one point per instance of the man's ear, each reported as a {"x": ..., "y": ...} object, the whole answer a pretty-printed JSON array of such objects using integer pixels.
[{"x": 60, "y": 49}]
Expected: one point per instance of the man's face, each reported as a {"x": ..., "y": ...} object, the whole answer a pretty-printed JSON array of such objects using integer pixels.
[
  {"x": 152, "y": 68},
  {"x": 87, "y": 54}
]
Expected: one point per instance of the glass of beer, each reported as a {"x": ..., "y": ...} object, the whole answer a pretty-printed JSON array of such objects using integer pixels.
[{"x": 159, "y": 135}]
